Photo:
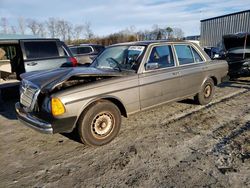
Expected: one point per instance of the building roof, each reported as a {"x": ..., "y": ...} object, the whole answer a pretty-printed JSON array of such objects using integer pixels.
[{"x": 235, "y": 13}]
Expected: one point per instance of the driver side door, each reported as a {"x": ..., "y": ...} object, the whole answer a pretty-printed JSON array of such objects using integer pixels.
[{"x": 160, "y": 81}]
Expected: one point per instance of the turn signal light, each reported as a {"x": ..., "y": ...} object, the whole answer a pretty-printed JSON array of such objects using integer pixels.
[{"x": 57, "y": 107}]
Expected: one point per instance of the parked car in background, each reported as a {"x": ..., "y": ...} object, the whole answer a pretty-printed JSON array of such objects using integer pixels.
[
  {"x": 85, "y": 53},
  {"x": 237, "y": 53},
  {"x": 213, "y": 52},
  {"x": 123, "y": 79},
  {"x": 26, "y": 55}
]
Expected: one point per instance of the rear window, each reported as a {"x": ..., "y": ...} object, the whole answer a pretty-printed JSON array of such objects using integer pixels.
[
  {"x": 184, "y": 54},
  {"x": 41, "y": 49},
  {"x": 197, "y": 57},
  {"x": 73, "y": 50},
  {"x": 84, "y": 50}
]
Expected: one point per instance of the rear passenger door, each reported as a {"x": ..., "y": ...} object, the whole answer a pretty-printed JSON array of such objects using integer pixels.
[
  {"x": 42, "y": 54},
  {"x": 191, "y": 65},
  {"x": 160, "y": 80}
]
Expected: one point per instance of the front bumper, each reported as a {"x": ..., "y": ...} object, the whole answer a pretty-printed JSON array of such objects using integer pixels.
[{"x": 33, "y": 122}]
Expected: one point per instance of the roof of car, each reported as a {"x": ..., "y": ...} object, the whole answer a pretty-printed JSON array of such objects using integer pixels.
[
  {"x": 146, "y": 43},
  {"x": 15, "y": 40},
  {"x": 77, "y": 45}
]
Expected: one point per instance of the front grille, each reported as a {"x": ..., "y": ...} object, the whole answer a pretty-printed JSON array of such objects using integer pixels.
[{"x": 28, "y": 94}]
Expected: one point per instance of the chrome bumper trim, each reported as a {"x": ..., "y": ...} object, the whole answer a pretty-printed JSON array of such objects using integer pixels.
[{"x": 32, "y": 122}]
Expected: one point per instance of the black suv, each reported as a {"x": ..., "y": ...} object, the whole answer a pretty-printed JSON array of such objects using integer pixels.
[
  {"x": 85, "y": 53},
  {"x": 25, "y": 55}
]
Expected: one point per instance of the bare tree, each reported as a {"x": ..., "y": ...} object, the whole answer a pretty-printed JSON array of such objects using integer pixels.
[
  {"x": 52, "y": 27},
  {"x": 69, "y": 29},
  {"x": 62, "y": 28},
  {"x": 178, "y": 33},
  {"x": 22, "y": 25},
  {"x": 140, "y": 35},
  {"x": 132, "y": 29},
  {"x": 13, "y": 29},
  {"x": 155, "y": 33},
  {"x": 33, "y": 25},
  {"x": 77, "y": 31},
  {"x": 88, "y": 31},
  {"x": 169, "y": 31},
  {"x": 4, "y": 25},
  {"x": 159, "y": 35},
  {"x": 42, "y": 30}
]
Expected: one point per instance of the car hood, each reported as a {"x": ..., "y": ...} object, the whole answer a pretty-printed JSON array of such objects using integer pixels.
[{"x": 48, "y": 80}]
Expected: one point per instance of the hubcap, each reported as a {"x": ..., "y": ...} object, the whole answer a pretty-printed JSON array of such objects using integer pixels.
[
  {"x": 102, "y": 124},
  {"x": 207, "y": 91}
]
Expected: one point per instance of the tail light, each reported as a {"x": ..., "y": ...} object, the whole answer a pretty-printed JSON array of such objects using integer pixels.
[{"x": 73, "y": 61}]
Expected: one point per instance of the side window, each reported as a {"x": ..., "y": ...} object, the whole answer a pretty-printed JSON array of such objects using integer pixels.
[
  {"x": 197, "y": 56},
  {"x": 84, "y": 50},
  {"x": 160, "y": 57},
  {"x": 184, "y": 54},
  {"x": 41, "y": 49},
  {"x": 73, "y": 50}
]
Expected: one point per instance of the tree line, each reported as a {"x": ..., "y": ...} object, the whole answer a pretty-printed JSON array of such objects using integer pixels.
[{"x": 83, "y": 33}]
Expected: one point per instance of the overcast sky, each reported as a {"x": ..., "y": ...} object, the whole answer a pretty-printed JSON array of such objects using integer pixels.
[{"x": 109, "y": 16}]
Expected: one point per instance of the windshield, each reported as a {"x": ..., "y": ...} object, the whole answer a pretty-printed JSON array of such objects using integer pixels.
[{"x": 120, "y": 58}]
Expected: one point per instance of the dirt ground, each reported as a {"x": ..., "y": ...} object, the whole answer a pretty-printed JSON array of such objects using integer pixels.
[{"x": 174, "y": 145}]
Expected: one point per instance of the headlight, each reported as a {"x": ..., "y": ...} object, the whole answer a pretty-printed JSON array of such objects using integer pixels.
[{"x": 57, "y": 107}]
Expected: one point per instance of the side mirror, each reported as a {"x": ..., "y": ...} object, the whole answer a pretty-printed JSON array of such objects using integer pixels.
[{"x": 152, "y": 66}]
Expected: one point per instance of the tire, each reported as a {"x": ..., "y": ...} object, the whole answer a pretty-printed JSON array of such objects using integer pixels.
[
  {"x": 100, "y": 124},
  {"x": 206, "y": 94}
]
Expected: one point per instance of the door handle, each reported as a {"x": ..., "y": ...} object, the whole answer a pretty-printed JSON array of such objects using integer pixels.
[
  {"x": 204, "y": 68},
  {"x": 32, "y": 64},
  {"x": 175, "y": 73}
]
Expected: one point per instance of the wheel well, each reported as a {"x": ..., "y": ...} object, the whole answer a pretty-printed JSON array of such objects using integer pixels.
[
  {"x": 114, "y": 101},
  {"x": 215, "y": 80},
  {"x": 118, "y": 104}
]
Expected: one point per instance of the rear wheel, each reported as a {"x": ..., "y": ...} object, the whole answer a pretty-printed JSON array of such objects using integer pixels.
[
  {"x": 206, "y": 94},
  {"x": 99, "y": 124}
]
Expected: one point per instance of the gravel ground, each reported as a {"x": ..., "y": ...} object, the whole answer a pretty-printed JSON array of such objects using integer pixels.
[{"x": 174, "y": 145}]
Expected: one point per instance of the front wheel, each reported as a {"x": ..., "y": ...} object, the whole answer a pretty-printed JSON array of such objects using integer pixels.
[
  {"x": 100, "y": 124},
  {"x": 206, "y": 94}
]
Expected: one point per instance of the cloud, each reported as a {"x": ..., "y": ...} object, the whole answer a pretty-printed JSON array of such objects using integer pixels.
[{"x": 113, "y": 15}]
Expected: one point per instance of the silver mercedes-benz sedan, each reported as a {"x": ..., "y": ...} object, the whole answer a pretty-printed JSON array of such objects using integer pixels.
[{"x": 124, "y": 79}]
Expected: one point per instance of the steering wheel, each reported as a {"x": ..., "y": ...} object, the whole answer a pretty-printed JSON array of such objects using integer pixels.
[
  {"x": 132, "y": 62},
  {"x": 112, "y": 61}
]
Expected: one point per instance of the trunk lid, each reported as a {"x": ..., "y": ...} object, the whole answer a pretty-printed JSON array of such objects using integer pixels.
[{"x": 237, "y": 46}]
